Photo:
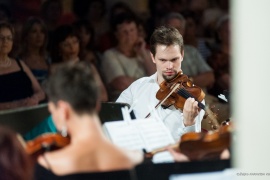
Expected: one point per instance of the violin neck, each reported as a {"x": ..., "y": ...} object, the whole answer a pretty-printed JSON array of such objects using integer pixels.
[{"x": 182, "y": 92}]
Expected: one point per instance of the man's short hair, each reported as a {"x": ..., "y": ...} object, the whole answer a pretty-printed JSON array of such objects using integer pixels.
[
  {"x": 75, "y": 84},
  {"x": 165, "y": 36}
]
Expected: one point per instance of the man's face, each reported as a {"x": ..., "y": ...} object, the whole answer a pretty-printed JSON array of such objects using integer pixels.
[{"x": 168, "y": 61}]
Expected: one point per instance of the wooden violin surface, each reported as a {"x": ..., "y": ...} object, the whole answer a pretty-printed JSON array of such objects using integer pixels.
[
  {"x": 46, "y": 142},
  {"x": 205, "y": 146}
]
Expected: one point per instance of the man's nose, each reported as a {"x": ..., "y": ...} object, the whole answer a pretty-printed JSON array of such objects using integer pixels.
[{"x": 169, "y": 65}]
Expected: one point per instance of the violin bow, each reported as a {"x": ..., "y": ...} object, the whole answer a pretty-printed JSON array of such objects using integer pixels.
[{"x": 176, "y": 86}]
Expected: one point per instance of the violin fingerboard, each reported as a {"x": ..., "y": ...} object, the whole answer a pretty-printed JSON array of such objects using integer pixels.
[{"x": 182, "y": 92}]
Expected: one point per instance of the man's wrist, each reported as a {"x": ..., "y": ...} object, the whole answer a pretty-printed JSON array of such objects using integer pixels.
[{"x": 188, "y": 123}]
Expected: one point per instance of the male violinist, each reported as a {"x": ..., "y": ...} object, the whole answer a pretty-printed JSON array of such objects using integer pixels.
[{"x": 166, "y": 47}]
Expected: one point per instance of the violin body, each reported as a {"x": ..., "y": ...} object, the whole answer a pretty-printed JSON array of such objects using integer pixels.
[
  {"x": 206, "y": 146},
  {"x": 201, "y": 146},
  {"x": 184, "y": 90},
  {"x": 46, "y": 142}
]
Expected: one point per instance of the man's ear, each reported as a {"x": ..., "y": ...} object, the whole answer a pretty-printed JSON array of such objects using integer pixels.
[{"x": 153, "y": 58}]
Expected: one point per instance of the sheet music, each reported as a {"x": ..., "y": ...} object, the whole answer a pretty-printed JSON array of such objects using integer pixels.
[
  {"x": 148, "y": 134},
  {"x": 154, "y": 133},
  {"x": 124, "y": 135}
]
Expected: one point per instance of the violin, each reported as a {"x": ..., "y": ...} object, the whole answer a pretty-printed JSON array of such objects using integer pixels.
[
  {"x": 184, "y": 88},
  {"x": 206, "y": 146},
  {"x": 46, "y": 142},
  {"x": 203, "y": 145},
  {"x": 177, "y": 90}
]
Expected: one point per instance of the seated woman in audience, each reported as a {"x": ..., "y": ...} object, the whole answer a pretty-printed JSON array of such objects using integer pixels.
[
  {"x": 73, "y": 101},
  {"x": 129, "y": 59},
  {"x": 66, "y": 48},
  {"x": 19, "y": 87},
  {"x": 86, "y": 36},
  {"x": 33, "y": 51},
  {"x": 15, "y": 164}
]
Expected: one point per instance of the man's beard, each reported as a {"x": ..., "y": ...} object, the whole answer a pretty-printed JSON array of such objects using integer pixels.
[{"x": 168, "y": 78}]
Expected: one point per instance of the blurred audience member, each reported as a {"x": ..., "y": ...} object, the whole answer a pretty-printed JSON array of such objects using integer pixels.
[
  {"x": 86, "y": 37},
  {"x": 198, "y": 7},
  {"x": 19, "y": 87},
  {"x": 213, "y": 14},
  {"x": 129, "y": 59},
  {"x": 53, "y": 16},
  {"x": 97, "y": 19},
  {"x": 33, "y": 51},
  {"x": 15, "y": 164},
  {"x": 220, "y": 59},
  {"x": 51, "y": 12},
  {"x": 108, "y": 40},
  {"x": 158, "y": 9},
  {"x": 66, "y": 48},
  {"x": 193, "y": 64},
  {"x": 192, "y": 38}
]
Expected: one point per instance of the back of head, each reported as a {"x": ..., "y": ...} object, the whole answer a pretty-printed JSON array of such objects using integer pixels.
[
  {"x": 14, "y": 162},
  {"x": 74, "y": 83},
  {"x": 165, "y": 36}
]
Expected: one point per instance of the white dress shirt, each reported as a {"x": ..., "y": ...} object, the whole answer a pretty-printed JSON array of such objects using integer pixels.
[{"x": 141, "y": 95}]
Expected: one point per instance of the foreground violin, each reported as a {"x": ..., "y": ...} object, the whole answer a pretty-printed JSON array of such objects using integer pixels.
[
  {"x": 206, "y": 146},
  {"x": 202, "y": 146},
  {"x": 46, "y": 142}
]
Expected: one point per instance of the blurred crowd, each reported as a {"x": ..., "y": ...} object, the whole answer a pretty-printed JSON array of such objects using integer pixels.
[{"x": 37, "y": 35}]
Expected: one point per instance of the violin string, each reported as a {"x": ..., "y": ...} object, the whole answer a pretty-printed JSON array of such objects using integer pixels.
[{"x": 186, "y": 95}]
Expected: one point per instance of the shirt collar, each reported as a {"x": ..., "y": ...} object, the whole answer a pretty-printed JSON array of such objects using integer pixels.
[{"x": 153, "y": 78}]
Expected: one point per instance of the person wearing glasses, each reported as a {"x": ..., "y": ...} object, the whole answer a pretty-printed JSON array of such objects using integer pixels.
[{"x": 19, "y": 87}]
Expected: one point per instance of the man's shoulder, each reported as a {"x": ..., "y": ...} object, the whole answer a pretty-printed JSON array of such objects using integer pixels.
[
  {"x": 110, "y": 51},
  {"x": 145, "y": 79},
  {"x": 188, "y": 48}
]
